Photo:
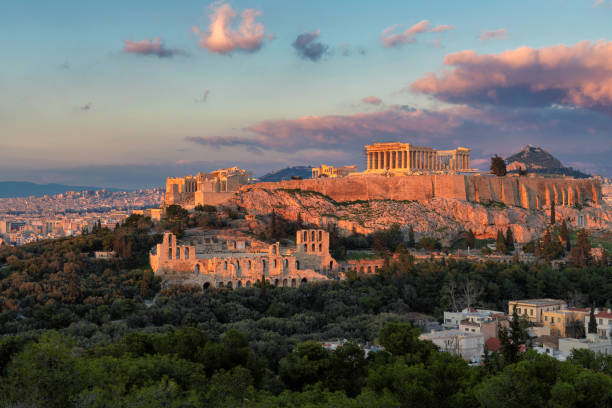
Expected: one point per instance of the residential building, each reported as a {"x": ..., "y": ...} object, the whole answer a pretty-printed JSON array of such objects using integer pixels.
[
  {"x": 603, "y": 318},
  {"x": 563, "y": 323},
  {"x": 470, "y": 346},
  {"x": 532, "y": 309}
]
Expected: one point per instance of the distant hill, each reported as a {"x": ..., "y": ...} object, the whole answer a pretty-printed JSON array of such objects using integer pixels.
[
  {"x": 27, "y": 189},
  {"x": 285, "y": 174},
  {"x": 537, "y": 160}
]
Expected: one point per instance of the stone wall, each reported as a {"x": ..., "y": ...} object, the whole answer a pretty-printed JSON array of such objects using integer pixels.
[{"x": 526, "y": 192}]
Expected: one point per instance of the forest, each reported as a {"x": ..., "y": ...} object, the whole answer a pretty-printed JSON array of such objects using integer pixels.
[{"x": 82, "y": 332}]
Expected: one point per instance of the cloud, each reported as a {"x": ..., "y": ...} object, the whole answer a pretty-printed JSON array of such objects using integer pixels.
[
  {"x": 347, "y": 50},
  {"x": 602, "y": 3},
  {"x": 150, "y": 48},
  {"x": 574, "y": 76},
  {"x": 372, "y": 100},
  {"x": 391, "y": 39},
  {"x": 222, "y": 38},
  {"x": 204, "y": 97},
  {"x": 217, "y": 142},
  {"x": 307, "y": 47},
  {"x": 499, "y": 34},
  {"x": 85, "y": 107}
]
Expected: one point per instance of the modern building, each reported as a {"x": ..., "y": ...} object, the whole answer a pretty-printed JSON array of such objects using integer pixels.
[
  {"x": 452, "y": 320},
  {"x": 405, "y": 157},
  {"x": 333, "y": 171},
  {"x": 470, "y": 346},
  {"x": 532, "y": 309},
  {"x": 592, "y": 342}
]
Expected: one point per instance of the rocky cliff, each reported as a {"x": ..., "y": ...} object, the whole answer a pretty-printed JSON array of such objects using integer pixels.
[
  {"x": 526, "y": 192},
  {"x": 438, "y": 217}
]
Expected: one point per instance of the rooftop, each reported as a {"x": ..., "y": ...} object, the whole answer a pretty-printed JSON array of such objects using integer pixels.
[{"x": 539, "y": 302}]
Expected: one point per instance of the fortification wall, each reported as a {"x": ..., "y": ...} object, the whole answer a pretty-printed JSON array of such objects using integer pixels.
[{"x": 526, "y": 192}]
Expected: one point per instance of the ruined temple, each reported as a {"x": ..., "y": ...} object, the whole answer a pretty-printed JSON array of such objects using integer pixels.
[{"x": 215, "y": 260}]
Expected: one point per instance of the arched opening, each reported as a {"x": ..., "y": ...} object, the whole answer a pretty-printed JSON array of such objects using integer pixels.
[
  {"x": 225, "y": 266},
  {"x": 248, "y": 284},
  {"x": 197, "y": 269},
  {"x": 304, "y": 280},
  {"x": 305, "y": 247},
  {"x": 284, "y": 283},
  {"x": 369, "y": 269},
  {"x": 169, "y": 253},
  {"x": 361, "y": 270},
  {"x": 312, "y": 236},
  {"x": 376, "y": 268},
  {"x": 275, "y": 282},
  {"x": 320, "y": 248},
  {"x": 320, "y": 235},
  {"x": 264, "y": 264},
  {"x": 178, "y": 253},
  {"x": 250, "y": 265},
  {"x": 275, "y": 264},
  {"x": 220, "y": 284},
  {"x": 239, "y": 284},
  {"x": 286, "y": 263},
  {"x": 186, "y": 253},
  {"x": 237, "y": 268},
  {"x": 297, "y": 265},
  {"x": 268, "y": 282},
  {"x": 293, "y": 283},
  {"x": 229, "y": 285},
  {"x": 331, "y": 265},
  {"x": 206, "y": 285},
  {"x": 313, "y": 247},
  {"x": 305, "y": 235}
]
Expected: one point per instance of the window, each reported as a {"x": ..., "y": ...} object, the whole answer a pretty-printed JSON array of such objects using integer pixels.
[
  {"x": 169, "y": 253},
  {"x": 313, "y": 247},
  {"x": 545, "y": 318},
  {"x": 178, "y": 253},
  {"x": 305, "y": 247},
  {"x": 320, "y": 235},
  {"x": 600, "y": 321},
  {"x": 531, "y": 312},
  {"x": 312, "y": 236},
  {"x": 558, "y": 320},
  {"x": 320, "y": 248},
  {"x": 186, "y": 253},
  {"x": 518, "y": 310}
]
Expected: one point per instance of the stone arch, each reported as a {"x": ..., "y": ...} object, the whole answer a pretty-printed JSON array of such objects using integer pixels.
[
  {"x": 320, "y": 236},
  {"x": 361, "y": 269},
  {"x": 284, "y": 283},
  {"x": 229, "y": 285},
  {"x": 304, "y": 280},
  {"x": 305, "y": 247},
  {"x": 293, "y": 283},
  {"x": 312, "y": 235},
  {"x": 225, "y": 265},
  {"x": 297, "y": 265},
  {"x": 313, "y": 247},
  {"x": 250, "y": 265},
  {"x": 178, "y": 253},
  {"x": 237, "y": 269},
  {"x": 206, "y": 285},
  {"x": 276, "y": 282},
  {"x": 219, "y": 284},
  {"x": 186, "y": 252},
  {"x": 169, "y": 253},
  {"x": 286, "y": 263},
  {"x": 196, "y": 270},
  {"x": 305, "y": 235},
  {"x": 248, "y": 284},
  {"x": 263, "y": 264},
  {"x": 239, "y": 284},
  {"x": 369, "y": 269},
  {"x": 275, "y": 263},
  {"x": 267, "y": 282}
]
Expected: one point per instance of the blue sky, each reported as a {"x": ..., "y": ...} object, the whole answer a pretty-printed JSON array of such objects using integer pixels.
[{"x": 77, "y": 107}]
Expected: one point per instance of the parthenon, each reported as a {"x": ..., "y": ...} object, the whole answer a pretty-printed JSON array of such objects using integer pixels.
[{"x": 404, "y": 157}]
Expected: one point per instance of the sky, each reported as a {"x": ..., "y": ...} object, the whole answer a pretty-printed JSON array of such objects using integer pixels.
[{"x": 124, "y": 94}]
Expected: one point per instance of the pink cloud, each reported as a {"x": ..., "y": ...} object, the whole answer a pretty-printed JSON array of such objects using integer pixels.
[
  {"x": 222, "y": 38},
  {"x": 493, "y": 35},
  {"x": 391, "y": 39},
  {"x": 372, "y": 100},
  {"x": 578, "y": 76},
  {"x": 148, "y": 47}
]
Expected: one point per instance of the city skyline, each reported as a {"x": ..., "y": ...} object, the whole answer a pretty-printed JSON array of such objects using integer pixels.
[{"x": 126, "y": 94}]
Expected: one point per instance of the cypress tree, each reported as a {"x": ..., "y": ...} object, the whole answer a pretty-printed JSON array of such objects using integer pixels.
[
  {"x": 552, "y": 214},
  {"x": 411, "y": 241},
  {"x": 501, "y": 242},
  {"x": 471, "y": 238},
  {"x": 509, "y": 239},
  {"x": 592, "y": 321}
]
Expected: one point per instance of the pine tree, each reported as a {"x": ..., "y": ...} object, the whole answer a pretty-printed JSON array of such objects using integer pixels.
[
  {"x": 512, "y": 338},
  {"x": 592, "y": 322},
  {"x": 498, "y": 166},
  {"x": 509, "y": 239},
  {"x": 552, "y": 213}
]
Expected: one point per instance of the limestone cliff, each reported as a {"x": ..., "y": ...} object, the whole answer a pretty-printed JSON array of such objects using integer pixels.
[{"x": 439, "y": 217}]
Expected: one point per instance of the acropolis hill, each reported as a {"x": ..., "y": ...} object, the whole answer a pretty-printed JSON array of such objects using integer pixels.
[{"x": 434, "y": 191}]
